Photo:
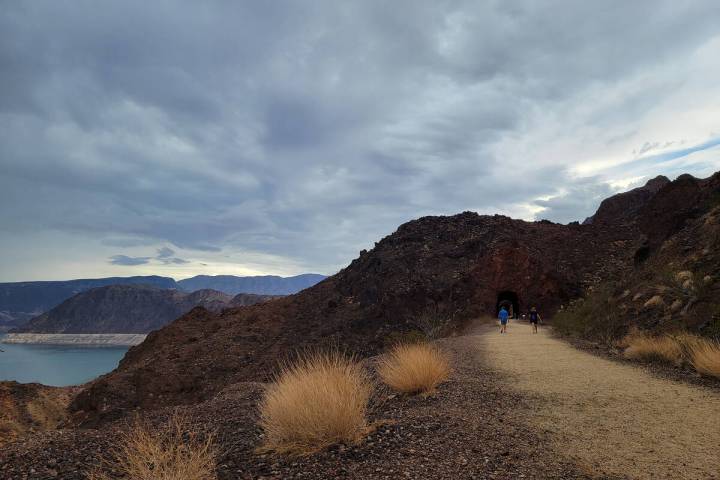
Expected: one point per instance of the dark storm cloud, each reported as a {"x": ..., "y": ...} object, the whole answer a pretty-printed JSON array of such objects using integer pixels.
[
  {"x": 128, "y": 261},
  {"x": 307, "y": 130}
]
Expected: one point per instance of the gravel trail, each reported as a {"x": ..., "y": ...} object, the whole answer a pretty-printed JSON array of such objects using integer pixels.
[{"x": 613, "y": 419}]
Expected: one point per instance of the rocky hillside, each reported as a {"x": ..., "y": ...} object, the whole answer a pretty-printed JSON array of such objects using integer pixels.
[
  {"x": 445, "y": 269},
  {"x": 676, "y": 280},
  {"x": 31, "y": 406},
  {"x": 129, "y": 309},
  {"x": 10, "y": 320},
  {"x": 262, "y": 285}
]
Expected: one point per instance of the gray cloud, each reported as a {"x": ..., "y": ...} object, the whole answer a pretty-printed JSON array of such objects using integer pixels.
[
  {"x": 128, "y": 261},
  {"x": 165, "y": 255},
  {"x": 308, "y": 132},
  {"x": 576, "y": 203}
]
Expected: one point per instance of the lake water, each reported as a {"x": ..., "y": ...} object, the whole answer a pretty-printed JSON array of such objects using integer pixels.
[{"x": 57, "y": 365}]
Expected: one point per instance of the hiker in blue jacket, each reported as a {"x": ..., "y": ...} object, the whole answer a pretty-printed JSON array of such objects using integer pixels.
[{"x": 503, "y": 316}]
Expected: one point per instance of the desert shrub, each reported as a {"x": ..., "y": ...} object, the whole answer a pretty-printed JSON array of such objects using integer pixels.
[
  {"x": 172, "y": 452},
  {"x": 712, "y": 328},
  {"x": 431, "y": 322},
  {"x": 414, "y": 368},
  {"x": 318, "y": 400},
  {"x": 705, "y": 357},
  {"x": 664, "y": 349},
  {"x": 410, "y": 336},
  {"x": 595, "y": 317}
]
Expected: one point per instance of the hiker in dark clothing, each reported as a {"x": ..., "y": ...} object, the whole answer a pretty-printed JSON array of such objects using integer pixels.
[{"x": 534, "y": 319}]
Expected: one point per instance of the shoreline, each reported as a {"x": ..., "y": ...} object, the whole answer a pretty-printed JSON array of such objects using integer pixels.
[{"x": 79, "y": 339}]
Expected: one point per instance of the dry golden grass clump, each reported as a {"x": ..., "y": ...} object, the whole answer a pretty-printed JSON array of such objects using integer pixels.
[
  {"x": 664, "y": 349},
  {"x": 414, "y": 368},
  {"x": 701, "y": 353},
  {"x": 174, "y": 452},
  {"x": 705, "y": 357},
  {"x": 319, "y": 400}
]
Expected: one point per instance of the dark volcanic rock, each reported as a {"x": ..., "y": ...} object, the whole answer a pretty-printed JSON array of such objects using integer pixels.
[
  {"x": 455, "y": 267},
  {"x": 127, "y": 309},
  {"x": 624, "y": 207},
  {"x": 676, "y": 282}
]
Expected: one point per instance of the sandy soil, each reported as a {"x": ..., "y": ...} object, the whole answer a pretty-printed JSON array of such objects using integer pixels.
[{"x": 612, "y": 419}]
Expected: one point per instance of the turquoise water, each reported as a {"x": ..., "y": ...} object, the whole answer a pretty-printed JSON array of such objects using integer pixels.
[{"x": 57, "y": 365}]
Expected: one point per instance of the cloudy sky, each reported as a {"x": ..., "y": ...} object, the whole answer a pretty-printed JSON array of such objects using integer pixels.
[{"x": 256, "y": 137}]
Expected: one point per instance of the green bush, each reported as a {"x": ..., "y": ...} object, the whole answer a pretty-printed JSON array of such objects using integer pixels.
[{"x": 595, "y": 317}]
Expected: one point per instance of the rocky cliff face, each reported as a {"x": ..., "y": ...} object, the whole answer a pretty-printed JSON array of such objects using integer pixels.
[
  {"x": 624, "y": 207},
  {"x": 126, "y": 309},
  {"x": 455, "y": 268}
]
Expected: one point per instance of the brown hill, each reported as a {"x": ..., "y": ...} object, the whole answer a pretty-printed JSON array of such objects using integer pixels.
[{"x": 442, "y": 270}]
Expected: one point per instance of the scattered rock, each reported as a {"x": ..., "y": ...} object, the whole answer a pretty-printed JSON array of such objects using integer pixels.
[
  {"x": 655, "y": 302},
  {"x": 683, "y": 276},
  {"x": 676, "y": 305}
]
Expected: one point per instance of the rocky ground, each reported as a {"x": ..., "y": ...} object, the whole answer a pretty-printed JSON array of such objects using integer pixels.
[
  {"x": 516, "y": 406},
  {"x": 467, "y": 430},
  {"x": 29, "y": 407}
]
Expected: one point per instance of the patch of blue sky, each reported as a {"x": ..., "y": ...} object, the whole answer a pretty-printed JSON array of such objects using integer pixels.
[{"x": 699, "y": 160}]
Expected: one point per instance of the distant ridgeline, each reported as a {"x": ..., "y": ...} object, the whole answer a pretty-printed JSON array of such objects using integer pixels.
[{"x": 22, "y": 301}]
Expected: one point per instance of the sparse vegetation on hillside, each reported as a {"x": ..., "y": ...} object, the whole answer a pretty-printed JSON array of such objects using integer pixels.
[
  {"x": 414, "y": 368},
  {"x": 175, "y": 452},
  {"x": 319, "y": 400},
  {"x": 595, "y": 317}
]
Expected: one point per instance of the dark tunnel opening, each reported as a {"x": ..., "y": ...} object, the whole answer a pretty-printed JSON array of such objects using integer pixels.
[{"x": 510, "y": 301}]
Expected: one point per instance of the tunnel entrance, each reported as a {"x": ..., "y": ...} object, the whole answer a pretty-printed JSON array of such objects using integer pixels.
[{"x": 509, "y": 300}]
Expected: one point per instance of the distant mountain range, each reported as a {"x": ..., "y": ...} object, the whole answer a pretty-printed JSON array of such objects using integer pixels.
[
  {"x": 130, "y": 309},
  {"x": 21, "y": 301},
  {"x": 264, "y": 285}
]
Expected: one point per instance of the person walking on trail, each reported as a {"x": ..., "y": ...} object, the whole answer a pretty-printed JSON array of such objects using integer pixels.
[
  {"x": 503, "y": 316},
  {"x": 534, "y": 319}
]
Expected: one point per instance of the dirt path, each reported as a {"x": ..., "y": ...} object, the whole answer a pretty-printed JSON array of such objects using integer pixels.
[{"x": 612, "y": 419}]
